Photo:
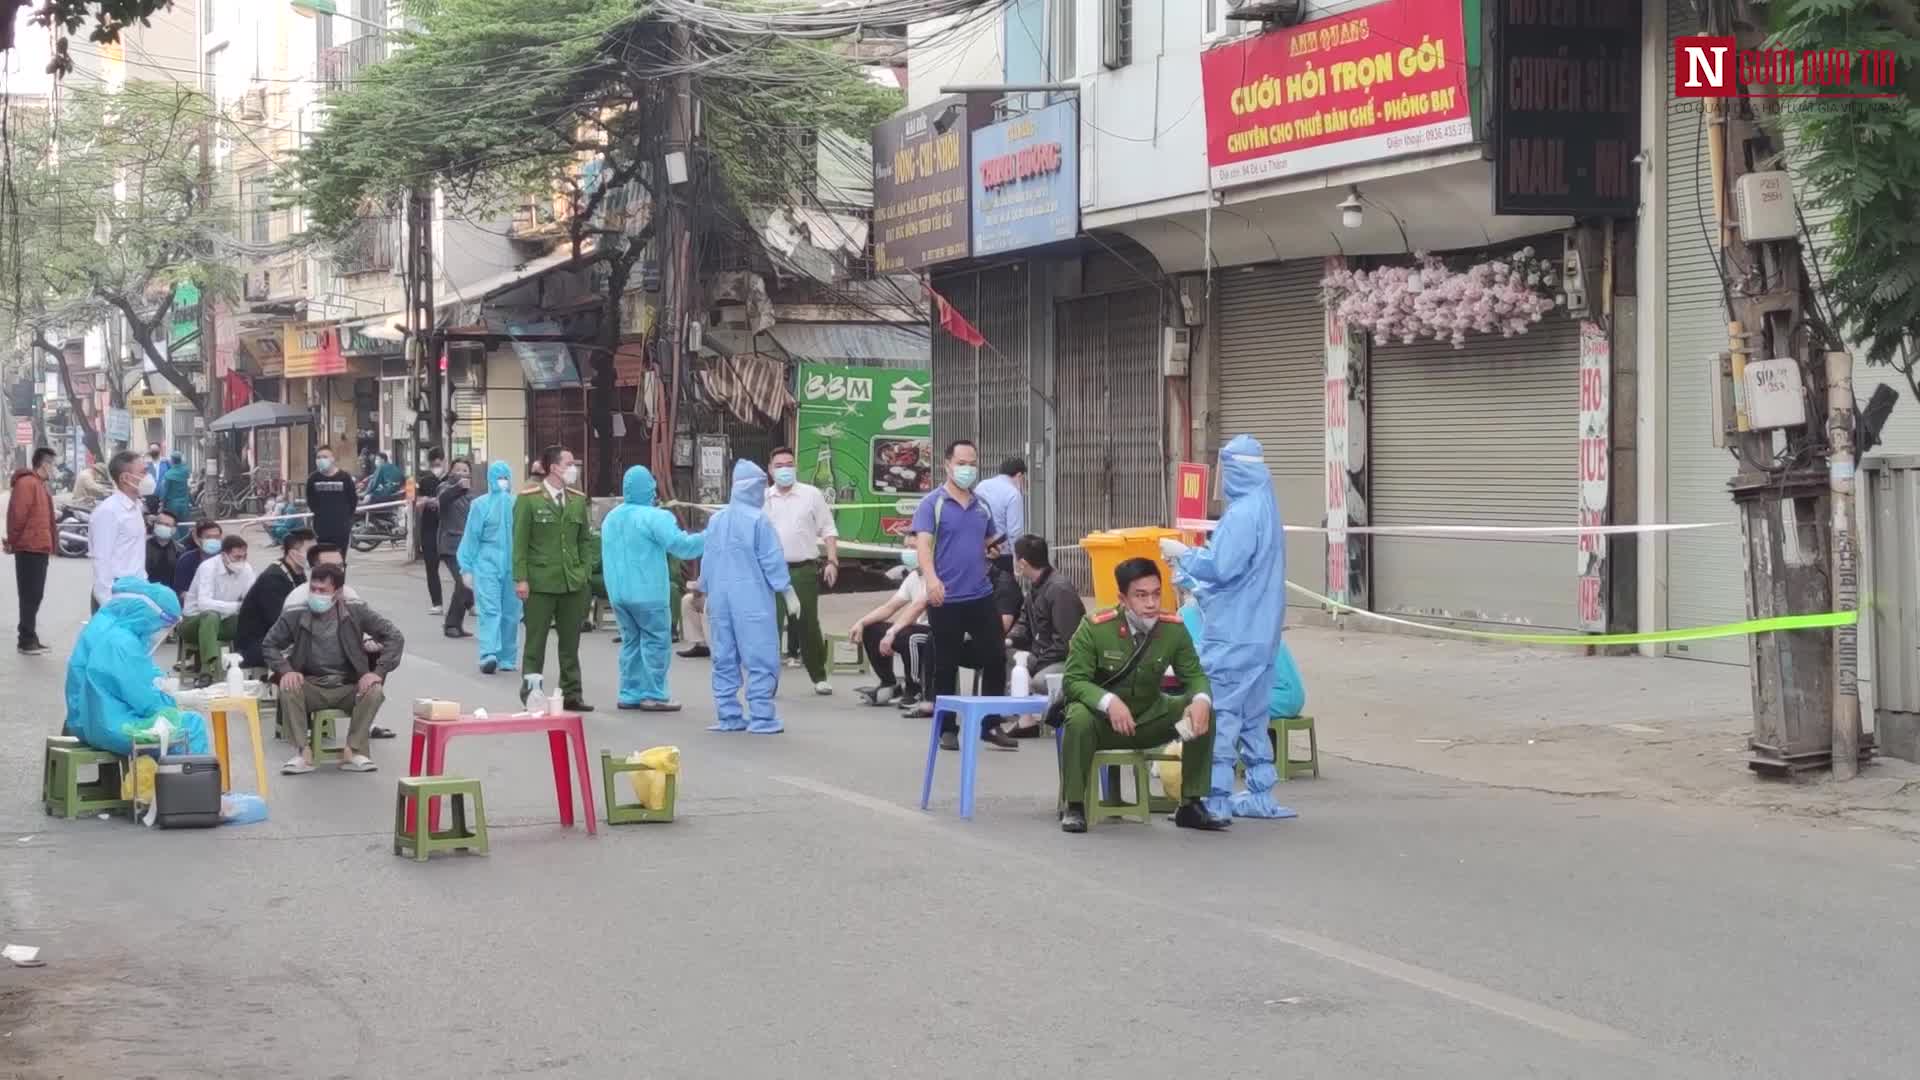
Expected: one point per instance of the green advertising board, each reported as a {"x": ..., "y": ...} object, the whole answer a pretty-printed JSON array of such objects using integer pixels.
[{"x": 866, "y": 441}]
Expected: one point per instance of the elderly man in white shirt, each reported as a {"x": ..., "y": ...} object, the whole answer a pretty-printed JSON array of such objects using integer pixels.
[
  {"x": 804, "y": 522},
  {"x": 212, "y": 611},
  {"x": 117, "y": 531}
]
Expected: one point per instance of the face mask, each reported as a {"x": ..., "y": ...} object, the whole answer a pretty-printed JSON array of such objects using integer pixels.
[
  {"x": 234, "y": 565},
  {"x": 964, "y": 476},
  {"x": 573, "y": 474},
  {"x": 146, "y": 485},
  {"x": 163, "y": 533},
  {"x": 438, "y": 470},
  {"x": 783, "y": 476},
  {"x": 910, "y": 559},
  {"x": 325, "y": 463},
  {"x": 1140, "y": 624},
  {"x": 211, "y": 547},
  {"x": 320, "y": 605},
  {"x": 503, "y": 485}
]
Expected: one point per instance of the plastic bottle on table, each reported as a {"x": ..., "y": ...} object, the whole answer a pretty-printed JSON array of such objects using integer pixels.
[
  {"x": 536, "y": 696},
  {"x": 236, "y": 680},
  {"x": 1020, "y": 681}
]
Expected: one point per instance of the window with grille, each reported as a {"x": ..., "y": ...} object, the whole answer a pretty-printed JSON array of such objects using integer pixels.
[{"x": 1116, "y": 34}]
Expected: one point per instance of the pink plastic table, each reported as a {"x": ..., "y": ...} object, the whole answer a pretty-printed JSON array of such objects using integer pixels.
[{"x": 429, "y": 758}]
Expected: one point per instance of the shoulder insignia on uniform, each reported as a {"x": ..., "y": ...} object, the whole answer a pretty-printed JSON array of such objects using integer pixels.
[
  {"x": 531, "y": 489},
  {"x": 1172, "y": 619},
  {"x": 1106, "y": 616},
  {"x": 576, "y": 491}
]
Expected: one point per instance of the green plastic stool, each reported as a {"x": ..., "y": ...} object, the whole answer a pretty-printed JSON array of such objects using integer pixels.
[
  {"x": 1280, "y": 728},
  {"x": 61, "y": 790},
  {"x": 1110, "y": 805},
  {"x": 322, "y": 726},
  {"x": 458, "y": 836},
  {"x": 187, "y": 655},
  {"x": 840, "y": 663},
  {"x": 632, "y": 813}
]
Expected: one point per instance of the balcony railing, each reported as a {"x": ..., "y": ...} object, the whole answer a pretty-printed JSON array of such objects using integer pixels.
[{"x": 340, "y": 66}]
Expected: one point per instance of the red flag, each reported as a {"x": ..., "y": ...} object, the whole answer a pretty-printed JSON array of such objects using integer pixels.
[{"x": 955, "y": 323}]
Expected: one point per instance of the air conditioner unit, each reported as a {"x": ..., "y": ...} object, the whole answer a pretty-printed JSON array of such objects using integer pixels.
[
  {"x": 1283, "y": 12},
  {"x": 253, "y": 104},
  {"x": 256, "y": 288}
]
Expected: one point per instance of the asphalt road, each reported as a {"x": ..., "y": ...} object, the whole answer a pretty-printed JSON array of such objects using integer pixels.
[{"x": 803, "y": 918}]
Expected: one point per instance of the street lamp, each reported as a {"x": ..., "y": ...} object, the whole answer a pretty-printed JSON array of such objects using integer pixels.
[{"x": 311, "y": 8}]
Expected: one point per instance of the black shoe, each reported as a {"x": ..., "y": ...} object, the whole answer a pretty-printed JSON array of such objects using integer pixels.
[
  {"x": 625, "y": 707},
  {"x": 378, "y": 732},
  {"x": 993, "y": 736},
  {"x": 488, "y": 667},
  {"x": 1193, "y": 815},
  {"x": 456, "y": 632},
  {"x": 35, "y": 648},
  {"x": 698, "y": 652},
  {"x": 576, "y": 705},
  {"x": 949, "y": 740},
  {"x": 1074, "y": 818}
]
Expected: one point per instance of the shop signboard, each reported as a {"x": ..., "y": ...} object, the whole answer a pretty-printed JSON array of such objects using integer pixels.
[
  {"x": 183, "y": 324},
  {"x": 151, "y": 406},
  {"x": 920, "y": 188},
  {"x": 23, "y": 433},
  {"x": 866, "y": 441},
  {"x": 1566, "y": 108},
  {"x": 1381, "y": 81},
  {"x": 1596, "y": 447},
  {"x": 312, "y": 350},
  {"x": 548, "y": 365},
  {"x": 1026, "y": 181},
  {"x": 119, "y": 425},
  {"x": 711, "y": 482}
]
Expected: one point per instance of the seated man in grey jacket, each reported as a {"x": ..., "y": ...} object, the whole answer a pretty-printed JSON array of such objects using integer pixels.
[
  {"x": 1048, "y": 617},
  {"x": 318, "y": 656}
]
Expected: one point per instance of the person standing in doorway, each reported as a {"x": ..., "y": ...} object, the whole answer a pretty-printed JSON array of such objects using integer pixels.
[
  {"x": 551, "y": 533},
  {"x": 448, "y": 513},
  {"x": 426, "y": 486},
  {"x": 951, "y": 529},
  {"x": 804, "y": 523},
  {"x": 117, "y": 531},
  {"x": 332, "y": 497},
  {"x": 30, "y": 542}
]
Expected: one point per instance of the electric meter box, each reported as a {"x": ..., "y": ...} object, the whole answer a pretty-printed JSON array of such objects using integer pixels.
[
  {"x": 1775, "y": 397},
  {"x": 1764, "y": 203}
]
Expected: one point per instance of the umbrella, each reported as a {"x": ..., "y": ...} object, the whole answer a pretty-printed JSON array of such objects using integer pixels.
[{"x": 262, "y": 414}]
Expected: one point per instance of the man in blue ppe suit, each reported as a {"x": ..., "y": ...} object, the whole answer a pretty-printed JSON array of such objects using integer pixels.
[
  {"x": 112, "y": 681},
  {"x": 1239, "y": 580},
  {"x": 635, "y": 540},
  {"x": 743, "y": 568},
  {"x": 486, "y": 564}
]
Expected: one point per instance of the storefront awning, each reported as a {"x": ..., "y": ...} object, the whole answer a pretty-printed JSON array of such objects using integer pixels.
[
  {"x": 465, "y": 302},
  {"x": 879, "y": 344}
]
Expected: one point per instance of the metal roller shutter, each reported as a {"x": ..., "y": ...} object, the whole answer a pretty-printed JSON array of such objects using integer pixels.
[
  {"x": 1705, "y": 569},
  {"x": 1273, "y": 363},
  {"x": 1110, "y": 458},
  {"x": 1485, "y": 435}
]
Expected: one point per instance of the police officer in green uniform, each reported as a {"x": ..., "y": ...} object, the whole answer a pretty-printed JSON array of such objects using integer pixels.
[
  {"x": 552, "y": 533},
  {"x": 1115, "y": 662}
]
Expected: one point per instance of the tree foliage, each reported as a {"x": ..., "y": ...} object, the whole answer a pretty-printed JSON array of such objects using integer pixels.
[
  {"x": 1860, "y": 159},
  {"x": 106, "y": 217},
  {"x": 108, "y": 18}
]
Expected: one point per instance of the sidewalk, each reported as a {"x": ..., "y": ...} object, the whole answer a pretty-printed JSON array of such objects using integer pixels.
[{"x": 1552, "y": 720}]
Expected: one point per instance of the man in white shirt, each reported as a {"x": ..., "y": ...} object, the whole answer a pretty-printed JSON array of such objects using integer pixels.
[
  {"x": 212, "y": 611},
  {"x": 886, "y": 631},
  {"x": 804, "y": 522},
  {"x": 117, "y": 531}
]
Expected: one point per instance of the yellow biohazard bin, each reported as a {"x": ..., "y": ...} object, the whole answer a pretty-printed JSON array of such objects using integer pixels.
[{"x": 1108, "y": 549}]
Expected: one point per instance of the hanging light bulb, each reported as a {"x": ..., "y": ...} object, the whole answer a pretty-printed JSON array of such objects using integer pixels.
[{"x": 1352, "y": 213}]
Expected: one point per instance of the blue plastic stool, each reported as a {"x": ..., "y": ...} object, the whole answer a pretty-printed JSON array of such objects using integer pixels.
[{"x": 971, "y": 712}]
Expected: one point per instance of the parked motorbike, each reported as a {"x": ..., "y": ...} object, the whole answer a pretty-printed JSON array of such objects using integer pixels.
[
  {"x": 71, "y": 528},
  {"x": 378, "y": 528}
]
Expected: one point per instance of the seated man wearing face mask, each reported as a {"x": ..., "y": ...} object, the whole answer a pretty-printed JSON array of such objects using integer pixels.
[
  {"x": 206, "y": 545},
  {"x": 164, "y": 548},
  {"x": 213, "y": 604},
  {"x": 318, "y": 656},
  {"x": 885, "y": 632}
]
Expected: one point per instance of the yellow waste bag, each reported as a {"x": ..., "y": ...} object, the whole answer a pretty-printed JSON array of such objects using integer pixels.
[
  {"x": 1168, "y": 772},
  {"x": 650, "y": 786},
  {"x": 138, "y": 785}
]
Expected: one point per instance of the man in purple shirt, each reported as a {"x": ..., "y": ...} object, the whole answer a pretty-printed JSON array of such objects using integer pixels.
[{"x": 951, "y": 529}]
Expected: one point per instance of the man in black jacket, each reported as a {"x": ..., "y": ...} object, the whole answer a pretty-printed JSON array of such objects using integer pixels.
[
  {"x": 318, "y": 657},
  {"x": 333, "y": 498},
  {"x": 261, "y": 609},
  {"x": 450, "y": 524},
  {"x": 164, "y": 548},
  {"x": 426, "y": 485},
  {"x": 1050, "y": 614}
]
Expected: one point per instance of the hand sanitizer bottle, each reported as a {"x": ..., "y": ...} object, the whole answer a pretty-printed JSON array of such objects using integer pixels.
[
  {"x": 536, "y": 697},
  {"x": 235, "y": 679},
  {"x": 1020, "y": 681}
]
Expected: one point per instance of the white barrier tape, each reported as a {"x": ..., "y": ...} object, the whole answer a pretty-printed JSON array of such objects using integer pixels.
[
  {"x": 1508, "y": 530},
  {"x": 301, "y": 515}
]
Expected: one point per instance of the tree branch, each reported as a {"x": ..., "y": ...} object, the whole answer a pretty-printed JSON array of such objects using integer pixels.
[
  {"x": 143, "y": 336},
  {"x": 89, "y": 426}
]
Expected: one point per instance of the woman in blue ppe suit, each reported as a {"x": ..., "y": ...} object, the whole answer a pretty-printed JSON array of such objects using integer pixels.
[
  {"x": 1239, "y": 580},
  {"x": 486, "y": 559},
  {"x": 111, "y": 677},
  {"x": 1288, "y": 695},
  {"x": 635, "y": 540},
  {"x": 743, "y": 568},
  {"x": 174, "y": 493}
]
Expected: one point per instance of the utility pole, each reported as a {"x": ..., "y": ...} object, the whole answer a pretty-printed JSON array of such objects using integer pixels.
[
  {"x": 677, "y": 273},
  {"x": 1796, "y": 531},
  {"x": 423, "y": 335}
]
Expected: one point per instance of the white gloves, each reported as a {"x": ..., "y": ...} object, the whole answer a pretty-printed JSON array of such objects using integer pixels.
[
  {"x": 793, "y": 604},
  {"x": 1171, "y": 549}
]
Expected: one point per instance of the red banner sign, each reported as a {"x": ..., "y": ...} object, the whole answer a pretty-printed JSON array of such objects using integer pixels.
[
  {"x": 1375, "y": 82},
  {"x": 1190, "y": 492}
]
